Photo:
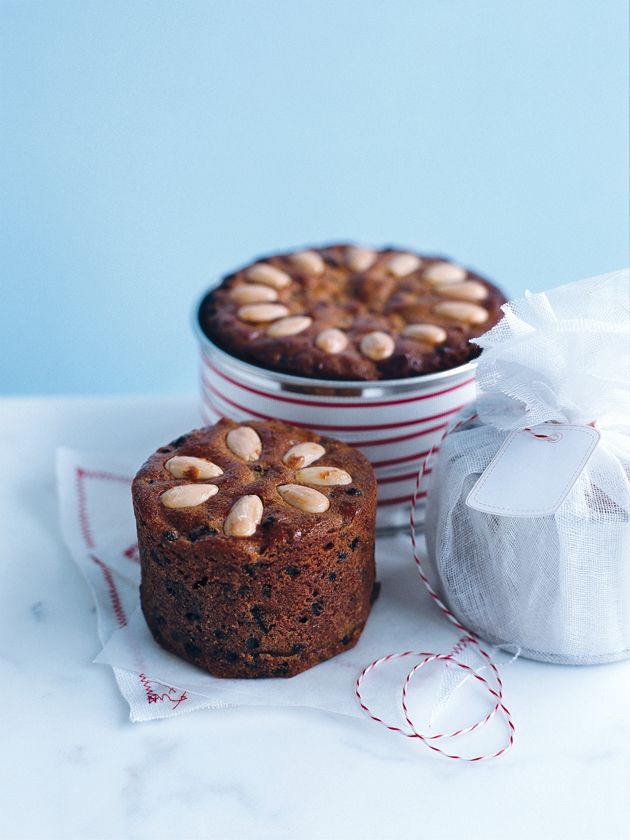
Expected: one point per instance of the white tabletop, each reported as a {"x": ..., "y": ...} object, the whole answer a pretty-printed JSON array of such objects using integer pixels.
[{"x": 75, "y": 767}]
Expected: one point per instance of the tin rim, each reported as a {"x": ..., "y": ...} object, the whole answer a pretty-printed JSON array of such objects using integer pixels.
[{"x": 288, "y": 382}]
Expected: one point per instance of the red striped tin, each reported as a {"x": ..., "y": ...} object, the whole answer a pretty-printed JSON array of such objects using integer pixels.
[{"x": 394, "y": 422}]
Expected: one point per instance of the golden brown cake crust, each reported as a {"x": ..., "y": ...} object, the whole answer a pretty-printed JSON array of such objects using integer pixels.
[
  {"x": 334, "y": 289},
  {"x": 293, "y": 594}
]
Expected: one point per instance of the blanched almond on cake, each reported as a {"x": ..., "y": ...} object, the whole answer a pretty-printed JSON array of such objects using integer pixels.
[
  {"x": 268, "y": 275},
  {"x": 289, "y": 326},
  {"x": 302, "y": 454},
  {"x": 430, "y": 333},
  {"x": 332, "y": 340},
  {"x": 359, "y": 259},
  {"x": 323, "y": 476},
  {"x": 444, "y": 272},
  {"x": 465, "y": 313},
  {"x": 260, "y": 313},
  {"x": 469, "y": 290},
  {"x": 400, "y": 265},
  {"x": 309, "y": 262},
  {"x": 187, "y": 466},
  {"x": 253, "y": 293},
  {"x": 377, "y": 345},
  {"x": 304, "y": 498},
  {"x": 188, "y": 495},
  {"x": 244, "y": 517},
  {"x": 245, "y": 443}
]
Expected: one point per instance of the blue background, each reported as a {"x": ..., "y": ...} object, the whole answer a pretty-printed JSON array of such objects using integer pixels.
[{"x": 148, "y": 147}]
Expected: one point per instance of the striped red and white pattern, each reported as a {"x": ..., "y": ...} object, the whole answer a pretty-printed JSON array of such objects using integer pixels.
[{"x": 394, "y": 424}]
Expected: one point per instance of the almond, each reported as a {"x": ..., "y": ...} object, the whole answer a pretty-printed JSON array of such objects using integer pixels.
[
  {"x": 360, "y": 259},
  {"x": 268, "y": 275},
  {"x": 302, "y": 454},
  {"x": 187, "y": 466},
  {"x": 323, "y": 476},
  {"x": 332, "y": 340},
  {"x": 466, "y": 313},
  {"x": 400, "y": 265},
  {"x": 469, "y": 290},
  {"x": 259, "y": 313},
  {"x": 309, "y": 262},
  {"x": 289, "y": 326},
  {"x": 377, "y": 345},
  {"x": 444, "y": 272},
  {"x": 253, "y": 293},
  {"x": 430, "y": 333},
  {"x": 304, "y": 498},
  {"x": 244, "y": 517},
  {"x": 245, "y": 443},
  {"x": 188, "y": 495}
]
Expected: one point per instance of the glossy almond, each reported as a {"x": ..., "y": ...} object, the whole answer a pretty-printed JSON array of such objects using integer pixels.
[
  {"x": 268, "y": 275},
  {"x": 253, "y": 293},
  {"x": 187, "y": 466},
  {"x": 304, "y": 498},
  {"x": 188, "y": 495},
  {"x": 302, "y": 454},
  {"x": 260, "y": 313},
  {"x": 289, "y": 326},
  {"x": 430, "y": 333},
  {"x": 469, "y": 290},
  {"x": 308, "y": 262},
  {"x": 323, "y": 476},
  {"x": 377, "y": 345},
  {"x": 360, "y": 259},
  {"x": 400, "y": 265},
  {"x": 465, "y": 313},
  {"x": 244, "y": 517},
  {"x": 444, "y": 272},
  {"x": 332, "y": 340},
  {"x": 245, "y": 443}
]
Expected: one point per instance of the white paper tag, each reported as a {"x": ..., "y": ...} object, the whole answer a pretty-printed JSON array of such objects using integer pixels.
[{"x": 532, "y": 476}]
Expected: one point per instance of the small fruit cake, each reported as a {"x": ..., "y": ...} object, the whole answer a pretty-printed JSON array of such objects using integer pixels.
[
  {"x": 346, "y": 312},
  {"x": 256, "y": 547}
]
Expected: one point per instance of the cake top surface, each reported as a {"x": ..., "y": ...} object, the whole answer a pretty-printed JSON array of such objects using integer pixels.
[
  {"x": 345, "y": 312},
  {"x": 254, "y": 482}
]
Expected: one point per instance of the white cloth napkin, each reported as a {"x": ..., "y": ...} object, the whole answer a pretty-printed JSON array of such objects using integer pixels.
[{"x": 98, "y": 527}]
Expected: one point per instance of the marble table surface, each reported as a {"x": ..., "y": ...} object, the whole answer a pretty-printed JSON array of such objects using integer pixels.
[{"x": 74, "y": 766}]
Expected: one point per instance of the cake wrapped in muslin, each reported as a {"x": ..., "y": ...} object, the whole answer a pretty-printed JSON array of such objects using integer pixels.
[{"x": 555, "y": 587}]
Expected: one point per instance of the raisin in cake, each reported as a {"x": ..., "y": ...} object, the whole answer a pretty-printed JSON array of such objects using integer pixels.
[
  {"x": 256, "y": 547},
  {"x": 347, "y": 312}
]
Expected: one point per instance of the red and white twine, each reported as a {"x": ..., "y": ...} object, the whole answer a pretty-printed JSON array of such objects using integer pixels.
[{"x": 495, "y": 691}]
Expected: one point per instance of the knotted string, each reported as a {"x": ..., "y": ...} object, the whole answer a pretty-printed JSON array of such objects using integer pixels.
[{"x": 494, "y": 690}]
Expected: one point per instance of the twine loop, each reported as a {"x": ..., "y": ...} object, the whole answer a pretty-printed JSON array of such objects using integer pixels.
[{"x": 493, "y": 686}]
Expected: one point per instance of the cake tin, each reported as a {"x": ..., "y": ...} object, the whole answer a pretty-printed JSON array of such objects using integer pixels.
[{"x": 393, "y": 422}]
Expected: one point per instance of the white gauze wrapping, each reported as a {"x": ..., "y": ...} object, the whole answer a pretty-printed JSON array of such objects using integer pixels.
[{"x": 557, "y": 587}]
